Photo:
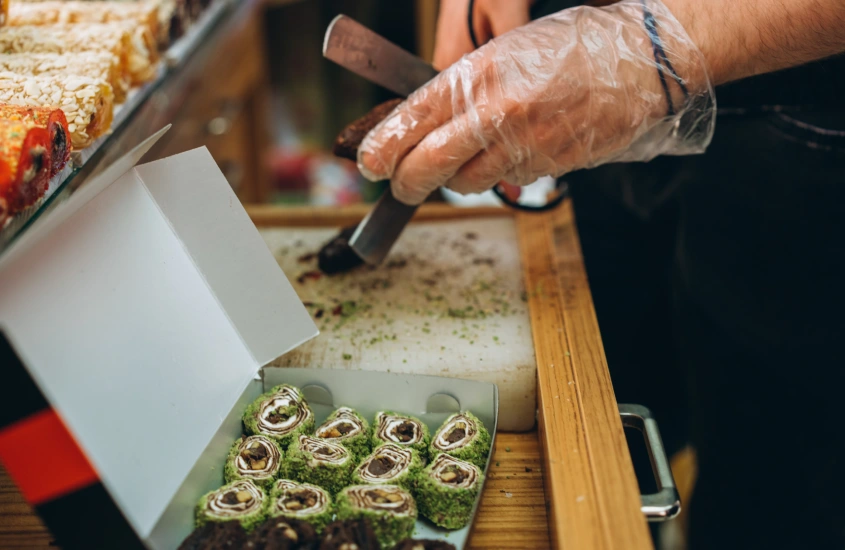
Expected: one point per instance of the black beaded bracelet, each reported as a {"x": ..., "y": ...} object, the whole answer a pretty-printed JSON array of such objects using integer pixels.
[{"x": 662, "y": 60}]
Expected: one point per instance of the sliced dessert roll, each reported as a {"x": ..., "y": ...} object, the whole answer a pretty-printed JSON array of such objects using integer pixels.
[
  {"x": 320, "y": 462},
  {"x": 391, "y": 464},
  {"x": 282, "y": 534},
  {"x": 212, "y": 536},
  {"x": 424, "y": 544},
  {"x": 257, "y": 458},
  {"x": 462, "y": 436},
  {"x": 390, "y": 509},
  {"x": 447, "y": 489},
  {"x": 391, "y": 427},
  {"x": 281, "y": 414},
  {"x": 241, "y": 501},
  {"x": 301, "y": 501},
  {"x": 349, "y": 534},
  {"x": 347, "y": 427}
]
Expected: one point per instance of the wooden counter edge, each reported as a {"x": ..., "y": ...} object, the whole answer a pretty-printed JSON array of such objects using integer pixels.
[
  {"x": 594, "y": 500},
  {"x": 321, "y": 216}
]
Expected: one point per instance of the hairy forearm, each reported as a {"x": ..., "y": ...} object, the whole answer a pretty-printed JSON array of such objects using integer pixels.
[{"x": 742, "y": 38}]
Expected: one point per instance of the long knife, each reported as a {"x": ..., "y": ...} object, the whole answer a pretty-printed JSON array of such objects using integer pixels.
[{"x": 365, "y": 53}]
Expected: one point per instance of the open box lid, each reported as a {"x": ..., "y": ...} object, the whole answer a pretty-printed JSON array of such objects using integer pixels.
[{"x": 145, "y": 281}]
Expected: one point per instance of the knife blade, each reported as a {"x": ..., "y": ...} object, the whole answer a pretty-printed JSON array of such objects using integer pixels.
[
  {"x": 355, "y": 47},
  {"x": 367, "y": 54}
]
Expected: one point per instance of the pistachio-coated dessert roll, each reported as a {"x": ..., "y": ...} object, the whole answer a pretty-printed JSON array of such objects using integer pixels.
[
  {"x": 447, "y": 489},
  {"x": 463, "y": 436},
  {"x": 281, "y": 414},
  {"x": 391, "y": 427},
  {"x": 281, "y": 534},
  {"x": 389, "y": 464},
  {"x": 257, "y": 458},
  {"x": 390, "y": 509},
  {"x": 241, "y": 501},
  {"x": 301, "y": 501},
  {"x": 347, "y": 427},
  {"x": 320, "y": 462}
]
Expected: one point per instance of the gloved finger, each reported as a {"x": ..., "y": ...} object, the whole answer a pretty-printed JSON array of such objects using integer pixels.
[
  {"x": 481, "y": 172},
  {"x": 436, "y": 159},
  {"x": 460, "y": 88},
  {"x": 387, "y": 144}
]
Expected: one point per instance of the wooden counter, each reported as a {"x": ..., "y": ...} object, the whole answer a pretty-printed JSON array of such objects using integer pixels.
[
  {"x": 512, "y": 514},
  {"x": 568, "y": 485}
]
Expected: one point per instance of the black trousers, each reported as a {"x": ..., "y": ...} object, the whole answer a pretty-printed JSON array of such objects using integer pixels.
[{"x": 719, "y": 285}]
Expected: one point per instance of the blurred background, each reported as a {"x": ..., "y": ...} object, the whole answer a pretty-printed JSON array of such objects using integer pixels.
[{"x": 310, "y": 99}]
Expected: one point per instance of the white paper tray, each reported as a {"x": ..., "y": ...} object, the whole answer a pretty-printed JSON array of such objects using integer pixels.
[{"x": 367, "y": 392}]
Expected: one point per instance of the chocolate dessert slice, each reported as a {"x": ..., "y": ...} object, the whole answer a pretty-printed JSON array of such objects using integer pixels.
[
  {"x": 390, "y": 509},
  {"x": 349, "y": 534},
  {"x": 347, "y": 143}
]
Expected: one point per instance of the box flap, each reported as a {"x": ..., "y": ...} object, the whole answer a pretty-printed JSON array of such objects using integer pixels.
[{"x": 142, "y": 316}]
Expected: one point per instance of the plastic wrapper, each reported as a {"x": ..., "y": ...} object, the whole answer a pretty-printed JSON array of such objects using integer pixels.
[
  {"x": 88, "y": 104},
  {"x": 580, "y": 88}
]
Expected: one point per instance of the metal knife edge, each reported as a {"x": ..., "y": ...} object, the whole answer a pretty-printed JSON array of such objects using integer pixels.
[{"x": 379, "y": 230}]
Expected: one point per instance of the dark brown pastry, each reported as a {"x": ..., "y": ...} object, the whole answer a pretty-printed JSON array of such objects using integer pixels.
[
  {"x": 346, "y": 144},
  {"x": 283, "y": 534},
  {"x": 356, "y": 534},
  {"x": 337, "y": 256},
  {"x": 423, "y": 544},
  {"x": 226, "y": 535}
]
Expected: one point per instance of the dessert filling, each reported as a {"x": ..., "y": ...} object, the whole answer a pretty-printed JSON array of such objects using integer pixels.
[
  {"x": 457, "y": 433},
  {"x": 239, "y": 499},
  {"x": 257, "y": 457}
]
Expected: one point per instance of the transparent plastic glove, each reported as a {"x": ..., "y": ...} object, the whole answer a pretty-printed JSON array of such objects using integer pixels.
[{"x": 573, "y": 90}]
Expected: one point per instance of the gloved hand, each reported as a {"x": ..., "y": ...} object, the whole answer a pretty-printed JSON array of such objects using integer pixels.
[{"x": 577, "y": 89}]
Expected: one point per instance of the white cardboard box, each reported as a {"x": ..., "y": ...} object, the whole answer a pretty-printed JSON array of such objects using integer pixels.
[{"x": 145, "y": 307}]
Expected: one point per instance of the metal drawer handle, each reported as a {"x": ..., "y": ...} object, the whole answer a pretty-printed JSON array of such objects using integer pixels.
[{"x": 665, "y": 504}]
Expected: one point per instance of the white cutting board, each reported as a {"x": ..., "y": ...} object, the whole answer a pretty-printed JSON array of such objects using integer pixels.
[{"x": 420, "y": 311}]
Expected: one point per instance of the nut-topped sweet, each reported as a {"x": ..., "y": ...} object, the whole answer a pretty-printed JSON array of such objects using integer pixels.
[
  {"x": 462, "y": 436},
  {"x": 389, "y": 463},
  {"x": 240, "y": 501},
  {"x": 447, "y": 490},
  {"x": 321, "y": 462},
  {"x": 257, "y": 458},
  {"x": 347, "y": 427},
  {"x": 301, "y": 501},
  {"x": 281, "y": 414},
  {"x": 391, "y": 427}
]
